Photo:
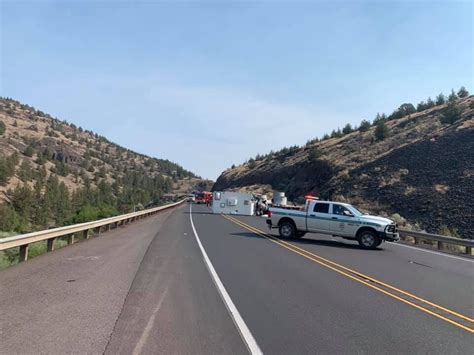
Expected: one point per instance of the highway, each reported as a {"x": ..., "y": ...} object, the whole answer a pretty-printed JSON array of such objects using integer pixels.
[{"x": 186, "y": 281}]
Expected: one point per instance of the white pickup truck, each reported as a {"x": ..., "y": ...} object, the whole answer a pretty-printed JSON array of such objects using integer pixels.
[{"x": 333, "y": 218}]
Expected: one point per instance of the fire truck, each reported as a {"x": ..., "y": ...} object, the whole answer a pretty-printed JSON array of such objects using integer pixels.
[{"x": 204, "y": 197}]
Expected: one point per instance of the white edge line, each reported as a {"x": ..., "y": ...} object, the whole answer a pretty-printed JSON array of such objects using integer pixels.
[
  {"x": 433, "y": 252},
  {"x": 244, "y": 331}
]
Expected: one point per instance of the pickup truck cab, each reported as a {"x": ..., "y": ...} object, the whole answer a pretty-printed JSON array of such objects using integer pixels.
[{"x": 333, "y": 218}]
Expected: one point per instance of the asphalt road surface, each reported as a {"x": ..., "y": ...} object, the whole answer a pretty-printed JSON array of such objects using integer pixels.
[{"x": 147, "y": 288}]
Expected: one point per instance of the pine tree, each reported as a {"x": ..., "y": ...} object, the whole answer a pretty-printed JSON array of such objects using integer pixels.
[
  {"x": 22, "y": 201},
  {"x": 406, "y": 109},
  {"x": 451, "y": 113},
  {"x": 347, "y": 129},
  {"x": 364, "y": 126},
  {"x": 463, "y": 92},
  {"x": 421, "y": 106},
  {"x": 9, "y": 219},
  {"x": 429, "y": 103},
  {"x": 440, "y": 99},
  {"x": 452, "y": 97}
]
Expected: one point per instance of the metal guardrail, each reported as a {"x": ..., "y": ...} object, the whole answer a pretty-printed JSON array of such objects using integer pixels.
[
  {"x": 49, "y": 235},
  {"x": 440, "y": 239}
]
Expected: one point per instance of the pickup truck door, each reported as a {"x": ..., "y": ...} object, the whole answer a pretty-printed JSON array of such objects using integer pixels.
[
  {"x": 318, "y": 218},
  {"x": 342, "y": 224}
]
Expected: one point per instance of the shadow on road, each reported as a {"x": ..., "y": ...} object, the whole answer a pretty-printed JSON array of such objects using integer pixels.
[
  {"x": 247, "y": 235},
  {"x": 326, "y": 243}
]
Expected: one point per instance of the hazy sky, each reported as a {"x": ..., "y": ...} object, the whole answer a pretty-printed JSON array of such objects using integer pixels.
[{"x": 208, "y": 84}]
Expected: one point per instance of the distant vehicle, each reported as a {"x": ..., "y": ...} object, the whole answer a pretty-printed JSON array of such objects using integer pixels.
[
  {"x": 190, "y": 197},
  {"x": 333, "y": 218},
  {"x": 203, "y": 197}
]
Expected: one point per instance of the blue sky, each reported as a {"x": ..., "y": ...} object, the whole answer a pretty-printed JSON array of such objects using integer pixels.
[{"x": 208, "y": 84}]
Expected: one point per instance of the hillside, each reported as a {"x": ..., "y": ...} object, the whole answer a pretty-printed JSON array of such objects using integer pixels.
[
  {"x": 421, "y": 169},
  {"x": 53, "y": 173}
]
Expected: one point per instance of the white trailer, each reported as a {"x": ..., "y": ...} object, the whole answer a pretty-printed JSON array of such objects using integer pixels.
[{"x": 227, "y": 202}]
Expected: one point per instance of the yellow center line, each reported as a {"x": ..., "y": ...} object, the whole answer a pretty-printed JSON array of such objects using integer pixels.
[
  {"x": 327, "y": 263},
  {"x": 364, "y": 276}
]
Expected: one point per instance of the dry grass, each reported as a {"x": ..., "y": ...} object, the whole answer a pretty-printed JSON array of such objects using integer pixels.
[{"x": 442, "y": 189}]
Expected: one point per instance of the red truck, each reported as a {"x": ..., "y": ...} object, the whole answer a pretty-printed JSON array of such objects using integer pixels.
[{"x": 204, "y": 197}]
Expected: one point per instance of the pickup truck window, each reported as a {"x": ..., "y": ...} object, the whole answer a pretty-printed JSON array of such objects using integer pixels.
[
  {"x": 339, "y": 209},
  {"x": 321, "y": 207}
]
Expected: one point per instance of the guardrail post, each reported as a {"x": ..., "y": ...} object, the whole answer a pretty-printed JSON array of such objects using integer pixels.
[
  {"x": 440, "y": 245},
  {"x": 107, "y": 227},
  {"x": 85, "y": 234},
  {"x": 468, "y": 250},
  {"x": 23, "y": 253},
  {"x": 417, "y": 240},
  {"x": 98, "y": 230},
  {"x": 70, "y": 238},
  {"x": 50, "y": 244}
]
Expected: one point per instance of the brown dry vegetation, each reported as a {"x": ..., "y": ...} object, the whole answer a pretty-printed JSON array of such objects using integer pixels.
[
  {"x": 87, "y": 155},
  {"x": 422, "y": 170}
]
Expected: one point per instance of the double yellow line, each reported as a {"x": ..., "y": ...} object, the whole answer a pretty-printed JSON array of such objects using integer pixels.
[{"x": 426, "y": 306}]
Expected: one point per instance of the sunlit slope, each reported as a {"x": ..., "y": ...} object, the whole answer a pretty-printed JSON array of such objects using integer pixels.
[{"x": 423, "y": 169}]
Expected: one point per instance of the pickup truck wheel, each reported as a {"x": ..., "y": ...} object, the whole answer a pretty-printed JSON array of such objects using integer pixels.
[
  {"x": 368, "y": 240},
  {"x": 287, "y": 230}
]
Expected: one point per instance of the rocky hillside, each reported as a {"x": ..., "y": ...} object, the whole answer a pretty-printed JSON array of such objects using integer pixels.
[
  {"x": 46, "y": 162},
  {"x": 421, "y": 166}
]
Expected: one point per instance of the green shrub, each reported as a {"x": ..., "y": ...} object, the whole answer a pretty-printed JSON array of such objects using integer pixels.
[
  {"x": 314, "y": 154},
  {"x": 90, "y": 213},
  {"x": 440, "y": 99},
  {"x": 381, "y": 131},
  {"x": 451, "y": 113},
  {"x": 9, "y": 219},
  {"x": 364, "y": 126},
  {"x": 347, "y": 129},
  {"x": 463, "y": 92},
  {"x": 2, "y": 128},
  {"x": 29, "y": 151},
  {"x": 444, "y": 230}
]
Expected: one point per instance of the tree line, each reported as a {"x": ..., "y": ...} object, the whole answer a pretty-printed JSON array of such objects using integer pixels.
[
  {"x": 121, "y": 180},
  {"x": 43, "y": 201},
  {"x": 451, "y": 113}
]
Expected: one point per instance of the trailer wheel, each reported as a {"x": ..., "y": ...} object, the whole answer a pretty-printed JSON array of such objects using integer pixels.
[
  {"x": 287, "y": 230},
  {"x": 368, "y": 239}
]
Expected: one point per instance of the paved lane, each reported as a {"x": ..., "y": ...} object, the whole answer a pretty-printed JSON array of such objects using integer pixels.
[
  {"x": 146, "y": 289},
  {"x": 69, "y": 300},
  {"x": 435, "y": 276},
  {"x": 139, "y": 289},
  {"x": 293, "y": 305},
  {"x": 173, "y": 306}
]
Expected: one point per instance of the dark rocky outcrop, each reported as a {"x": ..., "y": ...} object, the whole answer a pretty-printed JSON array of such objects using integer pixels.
[{"x": 423, "y": 171}]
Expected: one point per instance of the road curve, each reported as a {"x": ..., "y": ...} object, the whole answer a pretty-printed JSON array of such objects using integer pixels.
[{"x": 146, "y": 288}]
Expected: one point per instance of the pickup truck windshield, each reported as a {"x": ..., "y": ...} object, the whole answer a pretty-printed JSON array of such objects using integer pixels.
[{"x": 355, "y": 211}]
